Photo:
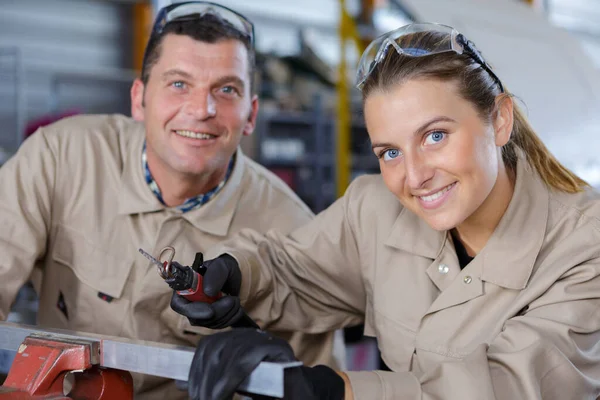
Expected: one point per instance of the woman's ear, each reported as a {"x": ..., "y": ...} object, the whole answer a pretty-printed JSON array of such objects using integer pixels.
[{"x": 503, "y": 121}]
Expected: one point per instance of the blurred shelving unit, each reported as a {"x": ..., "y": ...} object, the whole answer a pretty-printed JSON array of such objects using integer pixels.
[{"x": 300, "y": 146}]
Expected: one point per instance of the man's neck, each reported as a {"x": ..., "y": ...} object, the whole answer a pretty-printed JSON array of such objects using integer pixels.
[{"x": 176, "y": 188}]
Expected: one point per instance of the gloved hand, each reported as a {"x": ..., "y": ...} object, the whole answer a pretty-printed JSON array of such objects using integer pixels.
[
  {"x": 224, "y": 360},
  {"x": 222, "y": 275}
]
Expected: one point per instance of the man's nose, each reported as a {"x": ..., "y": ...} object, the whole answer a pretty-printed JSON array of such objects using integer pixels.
[
  {"x": 201, "y": 105},
  {"x": 418, "y": 170}
]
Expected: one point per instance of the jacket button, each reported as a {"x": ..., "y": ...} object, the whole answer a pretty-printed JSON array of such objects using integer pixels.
[
  {"x": 443, "y": 269},
  {"x": 467, "y": 279}
]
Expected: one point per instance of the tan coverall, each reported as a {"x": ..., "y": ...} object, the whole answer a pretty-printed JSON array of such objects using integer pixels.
[
  {"x": 520, "y": 321},
  {"x": 75, "y": 208}
]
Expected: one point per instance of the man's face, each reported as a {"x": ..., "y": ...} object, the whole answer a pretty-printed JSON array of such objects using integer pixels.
[
  {"x": 196, "y": 105},
  {"x": 436, "y": 153}
]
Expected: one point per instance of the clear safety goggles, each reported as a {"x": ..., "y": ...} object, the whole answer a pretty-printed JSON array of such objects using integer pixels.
[
  {"x": 454, "y": 42},
  {"x": 191, "y": 10}
]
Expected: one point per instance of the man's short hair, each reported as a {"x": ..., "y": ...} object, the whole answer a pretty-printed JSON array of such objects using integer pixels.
[{"x": 207, "y": 28}]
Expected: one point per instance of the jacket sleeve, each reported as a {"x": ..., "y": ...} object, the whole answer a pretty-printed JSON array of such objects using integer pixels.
[
  {"x": 26, "y": 191},
  {"x": 551, "y": 352},
  {"x": 309, "y": 280}
]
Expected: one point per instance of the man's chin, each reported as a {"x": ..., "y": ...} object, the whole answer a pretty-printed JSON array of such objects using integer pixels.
[{"x": 195, "y": 170}]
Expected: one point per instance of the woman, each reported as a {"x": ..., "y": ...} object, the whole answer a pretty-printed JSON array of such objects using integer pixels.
[{"x": 481, "y": 282}]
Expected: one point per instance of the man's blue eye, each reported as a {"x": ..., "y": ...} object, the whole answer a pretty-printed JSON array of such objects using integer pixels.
[
  {"x": 178, "y": 84},
  {"x": 228, "y": 89}
]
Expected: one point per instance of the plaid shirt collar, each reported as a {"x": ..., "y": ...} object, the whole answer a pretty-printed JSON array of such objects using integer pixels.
[{"x": 193, "y": 202}]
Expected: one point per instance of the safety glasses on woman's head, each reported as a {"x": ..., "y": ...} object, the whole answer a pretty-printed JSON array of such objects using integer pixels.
[
  {"x": 406, "y": 41},
  {"x": 190, "y": 10}
]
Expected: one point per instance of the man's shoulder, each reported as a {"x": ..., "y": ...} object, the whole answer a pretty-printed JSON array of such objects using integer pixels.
[
  {"x": 115, "y": 129},
  {"x": 273, "y": 189}
]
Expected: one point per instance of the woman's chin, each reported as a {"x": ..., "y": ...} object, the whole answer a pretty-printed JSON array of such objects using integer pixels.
[{"x": 441, "y": 222}]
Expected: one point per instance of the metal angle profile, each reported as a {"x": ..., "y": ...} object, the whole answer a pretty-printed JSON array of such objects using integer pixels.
[{"x": 159, "y": 359}]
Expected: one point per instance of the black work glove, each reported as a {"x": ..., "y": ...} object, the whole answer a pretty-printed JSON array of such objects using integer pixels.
[
  {"x": 222, "y": 275},
  {"x": 224, "y": 360}
]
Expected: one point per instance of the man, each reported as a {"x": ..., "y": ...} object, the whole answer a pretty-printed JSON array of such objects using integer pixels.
[{"x": 82, "y": 195}]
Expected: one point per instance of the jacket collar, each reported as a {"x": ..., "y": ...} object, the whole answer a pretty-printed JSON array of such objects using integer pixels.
[
  {"x": 412, "y": 234},
  {"x": 519, "y": 236},
  {"x": 510, "y": 253},
  {"x": 215, "y": 216},
  {"x": 135, "y": 197}
]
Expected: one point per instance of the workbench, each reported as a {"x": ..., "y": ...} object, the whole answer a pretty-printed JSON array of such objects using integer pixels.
[{"x": 100, "y": 365}]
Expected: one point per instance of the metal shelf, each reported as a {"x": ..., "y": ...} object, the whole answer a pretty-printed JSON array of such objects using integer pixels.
[{"x": 314, "y": 163}]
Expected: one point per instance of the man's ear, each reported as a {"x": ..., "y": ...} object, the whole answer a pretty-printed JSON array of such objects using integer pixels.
[
  {"x": 137, "y": 100},
  {"x": 251, "y": 123},
  {"x": 503, "y": 122}
]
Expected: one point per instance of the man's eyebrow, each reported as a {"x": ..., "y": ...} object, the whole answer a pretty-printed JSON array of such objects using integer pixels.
[
  {"x": 417, "y": 131},
  {"x": 236, "y": 80},
  {"x": 176, "y": 72}
]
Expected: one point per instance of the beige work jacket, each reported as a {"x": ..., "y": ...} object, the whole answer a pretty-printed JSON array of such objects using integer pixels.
[
  {"x": 521, "y": 321},
  {"x": 74, "y": 204}
]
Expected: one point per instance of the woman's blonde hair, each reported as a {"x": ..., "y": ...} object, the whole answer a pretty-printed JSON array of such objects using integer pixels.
[{"x": 477, "y": 86}]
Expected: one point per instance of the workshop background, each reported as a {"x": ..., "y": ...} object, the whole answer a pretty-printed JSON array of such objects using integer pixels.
[{"x": 66, "y": 57}]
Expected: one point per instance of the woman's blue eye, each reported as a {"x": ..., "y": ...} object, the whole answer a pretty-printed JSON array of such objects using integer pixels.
[
  {"x": 435, "y": 137},
  {"x": 390, "y": 154}
]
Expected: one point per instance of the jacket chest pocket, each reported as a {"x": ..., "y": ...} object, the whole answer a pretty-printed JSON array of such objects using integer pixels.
[
  {"x": 396, "y": 342},
  {"x": 88, "y": 283}
]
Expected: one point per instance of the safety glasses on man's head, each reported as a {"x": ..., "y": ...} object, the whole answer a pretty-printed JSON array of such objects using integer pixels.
[
  {"x": 190, "y": 10},
  {"x": 412, "y": 40}
]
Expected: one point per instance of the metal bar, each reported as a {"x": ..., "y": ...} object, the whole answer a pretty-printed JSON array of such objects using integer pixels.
[
  {"x": 342, "y": 138},
  {"x": 319, "y": 165},
  {"x": 18, "y": 75},
  {"x": 347, "y": 31},
  {"x": 165, "y": 360},
  {"x": 142, "y": 24},
  {"x": 20, "y": 99}
]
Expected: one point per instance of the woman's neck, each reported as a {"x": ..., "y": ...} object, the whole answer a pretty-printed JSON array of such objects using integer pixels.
[{"x": 476, "y": 230}]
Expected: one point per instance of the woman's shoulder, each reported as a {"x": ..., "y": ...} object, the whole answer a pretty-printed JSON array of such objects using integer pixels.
[
  {"x": 572, "y": 233},
  {"x": 570, "y": 252},
  {"x": 580, "y": 209}
]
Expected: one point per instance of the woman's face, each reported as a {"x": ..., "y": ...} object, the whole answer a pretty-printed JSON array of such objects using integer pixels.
[{"x": 436, "y": 153}]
